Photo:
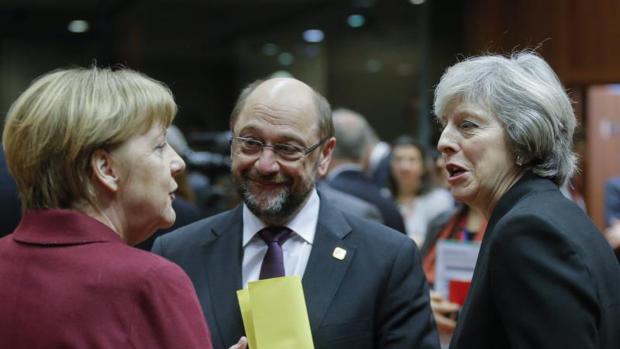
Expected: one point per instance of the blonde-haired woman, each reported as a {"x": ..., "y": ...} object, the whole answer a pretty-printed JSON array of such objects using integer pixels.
[{"x": 88, "y": 150}]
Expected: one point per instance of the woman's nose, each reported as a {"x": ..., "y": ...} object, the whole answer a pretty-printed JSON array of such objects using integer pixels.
[
  {"x": 446, "y": 143},
  {"x": 177, "y": 165}
]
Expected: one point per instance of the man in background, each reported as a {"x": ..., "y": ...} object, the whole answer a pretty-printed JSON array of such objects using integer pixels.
[
  {"x": 346, "y": 170},
  {"x": 612, "y": 214}
]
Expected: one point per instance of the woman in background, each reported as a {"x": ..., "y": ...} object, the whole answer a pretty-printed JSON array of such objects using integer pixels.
[
  {"x": 462, "y": 224},
  {"x": 410, "y": 182},
  {"x": 88, "y": 150},
  {"x": 545, "y": 276}
]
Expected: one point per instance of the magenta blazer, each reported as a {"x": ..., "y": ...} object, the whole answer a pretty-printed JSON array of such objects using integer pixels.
[{"x": 68, "y": 281}]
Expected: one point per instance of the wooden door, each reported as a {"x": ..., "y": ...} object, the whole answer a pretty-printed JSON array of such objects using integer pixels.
[{"x": 602, "y": 158}]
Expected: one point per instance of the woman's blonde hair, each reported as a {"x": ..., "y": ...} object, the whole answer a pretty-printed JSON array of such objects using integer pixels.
[{"x": 54, "y": 127}]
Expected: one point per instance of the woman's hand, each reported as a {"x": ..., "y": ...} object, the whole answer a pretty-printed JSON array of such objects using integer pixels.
[
  {"x": 612, "y": 234},
  {"x": 445, "y": 313}
]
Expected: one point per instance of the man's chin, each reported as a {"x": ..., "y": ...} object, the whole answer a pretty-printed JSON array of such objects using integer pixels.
[{"x": 263, "y": 208}]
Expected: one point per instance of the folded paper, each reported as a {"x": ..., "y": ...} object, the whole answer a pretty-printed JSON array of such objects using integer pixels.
[{"x": 274, "y": 314}]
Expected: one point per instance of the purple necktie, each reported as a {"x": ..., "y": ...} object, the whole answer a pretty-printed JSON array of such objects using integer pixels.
[{"x": 273, "y": 263}]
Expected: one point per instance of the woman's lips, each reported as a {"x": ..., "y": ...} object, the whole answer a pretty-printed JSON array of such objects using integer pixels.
[{"x": 455, "y": 172}]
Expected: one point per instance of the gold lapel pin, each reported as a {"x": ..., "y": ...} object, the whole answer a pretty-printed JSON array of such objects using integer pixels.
[{"x": 339, "y": 253}]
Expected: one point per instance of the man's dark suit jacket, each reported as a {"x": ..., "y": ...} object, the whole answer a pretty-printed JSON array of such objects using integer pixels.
[
  {"x": 357, "y": 183},
  {"x": 381, "y": 173},
  {"x": 377, "y": 297},
  {"x": 348, "y": 203},
  {"x": 545, "y": 277}
]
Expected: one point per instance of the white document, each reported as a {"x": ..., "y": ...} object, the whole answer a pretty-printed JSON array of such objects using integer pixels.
[{"x": 456, "y": 260}]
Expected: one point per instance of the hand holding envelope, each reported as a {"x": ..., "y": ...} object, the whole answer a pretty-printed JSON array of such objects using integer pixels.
[
  {"x": 274, "y": 314},
  {"x": 241, "y": 344}
]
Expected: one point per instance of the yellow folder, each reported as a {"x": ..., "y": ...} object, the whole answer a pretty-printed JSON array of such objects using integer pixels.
[{"x": 274, "y": 314}]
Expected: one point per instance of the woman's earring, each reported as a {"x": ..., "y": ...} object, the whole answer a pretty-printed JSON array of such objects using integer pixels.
[{"x": 519, "y": 161}]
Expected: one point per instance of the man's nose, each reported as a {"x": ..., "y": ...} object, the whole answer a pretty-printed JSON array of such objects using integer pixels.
[{"x": 267, "y": 161}]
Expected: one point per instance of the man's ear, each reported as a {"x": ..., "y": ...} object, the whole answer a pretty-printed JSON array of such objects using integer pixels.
[
  {"x": 326, "y": 156},
  {"x": 103, "y": 170}
]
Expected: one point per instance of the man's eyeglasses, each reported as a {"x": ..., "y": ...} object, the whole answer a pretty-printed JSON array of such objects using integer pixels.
[{"x": 287, "y": 152}]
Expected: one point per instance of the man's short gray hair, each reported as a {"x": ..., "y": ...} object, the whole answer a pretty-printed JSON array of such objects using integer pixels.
[
  {"x": 352, "y": 134},
  {"x": 525, "y": 94}
]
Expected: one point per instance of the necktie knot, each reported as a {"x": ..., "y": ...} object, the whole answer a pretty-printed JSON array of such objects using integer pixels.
[
  {"x": 273, "y": 262},
  {"x": 275, "y": 234}
]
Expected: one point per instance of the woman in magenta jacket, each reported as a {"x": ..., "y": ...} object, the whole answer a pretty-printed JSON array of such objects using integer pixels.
[{"x": 88, "y": 150}]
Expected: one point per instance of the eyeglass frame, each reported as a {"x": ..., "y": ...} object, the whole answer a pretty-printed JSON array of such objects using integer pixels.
[{"x": 304, "y": 151}]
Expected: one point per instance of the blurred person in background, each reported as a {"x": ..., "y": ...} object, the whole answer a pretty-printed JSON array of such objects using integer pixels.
[
  {"x": 88, "y": 150},
  {"x": 462, "y": 223},
  {"x": 10, "y": 213},
  {"x": 348, "y": 203},
  {"x": 412, "y": 187},
  {"x": 376, "y": 161},
  {"x": 206, "y": 183},
  {"x": 346, "y": 171},
  {"x": 545, "y": 276},
  {"x": 612, "y": 214}
]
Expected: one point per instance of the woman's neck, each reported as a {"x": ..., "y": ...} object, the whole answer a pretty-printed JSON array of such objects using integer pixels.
[
  {"x": 100, "y": 214},
  {"x": 405, "y": 198},
  {"x": 407, "y": 193},
  {"x": 475, "y": 220}
]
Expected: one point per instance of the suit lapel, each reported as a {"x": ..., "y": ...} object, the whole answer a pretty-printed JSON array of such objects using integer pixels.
[
  {"x": 222, "y": 259},
  {"x": 324, "y": 272}
]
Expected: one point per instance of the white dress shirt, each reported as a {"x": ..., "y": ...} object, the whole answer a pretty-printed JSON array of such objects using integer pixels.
[{"x": 295, "y": 250}]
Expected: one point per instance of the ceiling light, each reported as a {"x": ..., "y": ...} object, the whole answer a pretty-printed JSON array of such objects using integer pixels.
[
  {"x": 313, "y": 35},
  {"x": 417, "y": 2},
  {"x": 270, "y": 49},
  {"x": 78, "y": 26},
  {"x": 374, "y": 66},
  {"x": 281, "y": 74},
  {"x": 286, "y": 58},
  {"x": 356, "y": 21}
]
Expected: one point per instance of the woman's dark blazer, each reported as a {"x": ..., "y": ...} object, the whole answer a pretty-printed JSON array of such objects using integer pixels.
[{"x": 545, "y": 277}]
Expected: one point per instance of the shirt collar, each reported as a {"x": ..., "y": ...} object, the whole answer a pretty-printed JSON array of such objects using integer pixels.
[
  {"x": 303, "y": 224},
  {"x": 379, "y": 151}
]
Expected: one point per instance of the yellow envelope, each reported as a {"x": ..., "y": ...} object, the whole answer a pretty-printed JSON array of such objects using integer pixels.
[
  {"x": 274, "y": 314},
  {"x": 246, "y": 315}
]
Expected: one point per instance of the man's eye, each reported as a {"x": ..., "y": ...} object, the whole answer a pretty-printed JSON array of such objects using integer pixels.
[
  {"x": 286, "y": 149},
  {"x": 161, "y": 146},
  {"x": 252, "y": 143}
]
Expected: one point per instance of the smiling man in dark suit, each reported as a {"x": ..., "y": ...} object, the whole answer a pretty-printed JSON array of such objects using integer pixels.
[{"x": 363, "y": 282}]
